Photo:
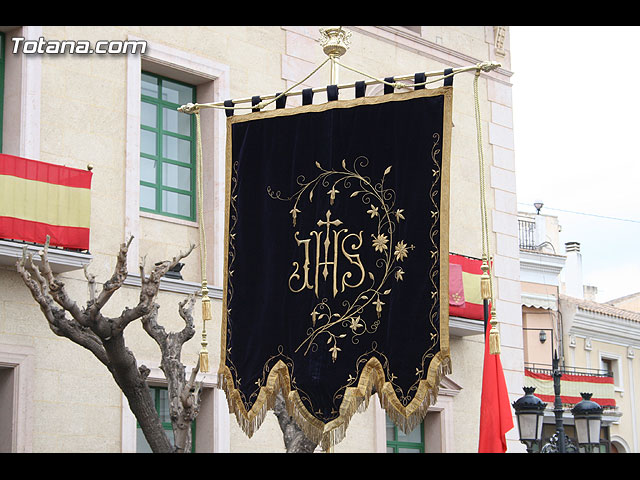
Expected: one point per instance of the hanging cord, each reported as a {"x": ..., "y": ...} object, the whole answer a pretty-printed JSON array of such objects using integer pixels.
[
  {"x": 263, "y": 104},
  {"x": 396, "y": 84},
  {"x": 206, "y": 301},
  {"x": 194, "y": 107},
  {"x": 486, "y": 282}
]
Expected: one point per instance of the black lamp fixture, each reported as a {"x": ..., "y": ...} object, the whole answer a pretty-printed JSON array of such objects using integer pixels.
[
  {"x": 543, "y": 336},
  {"x": 529, "y": 412},
  {"x": 538, "y": 206},
  {"x": 587, "y": 416}
]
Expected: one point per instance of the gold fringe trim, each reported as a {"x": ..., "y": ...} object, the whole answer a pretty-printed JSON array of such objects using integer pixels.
[{"x": 356, "y": 400}]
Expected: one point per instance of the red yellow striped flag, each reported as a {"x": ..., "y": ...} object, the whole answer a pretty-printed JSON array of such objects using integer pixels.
[
  {"x": 465, "y": 299},
  {"x": 39, "y": 199},
  {"x": 571, "y": 385}
]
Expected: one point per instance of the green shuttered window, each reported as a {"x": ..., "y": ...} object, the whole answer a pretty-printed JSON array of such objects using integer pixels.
[{"x": 167, "y": 148}]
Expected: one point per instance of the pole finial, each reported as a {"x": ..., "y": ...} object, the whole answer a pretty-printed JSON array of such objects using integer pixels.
[{"x": 335, "y": 41}]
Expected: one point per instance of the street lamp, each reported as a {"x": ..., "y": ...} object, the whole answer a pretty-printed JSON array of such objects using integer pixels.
[
  {"x": 529, "y": 411},
  {"x": 588, "y": 418}
]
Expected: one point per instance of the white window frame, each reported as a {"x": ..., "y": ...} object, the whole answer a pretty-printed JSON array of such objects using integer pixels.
[
  {"x": 444, "y": 406},
  {"x": 21, "y": 359},
  {"x": 618, "y": 381}
]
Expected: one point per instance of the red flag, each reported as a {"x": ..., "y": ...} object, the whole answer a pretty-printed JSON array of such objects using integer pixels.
[{"x": 495, "y": 411}]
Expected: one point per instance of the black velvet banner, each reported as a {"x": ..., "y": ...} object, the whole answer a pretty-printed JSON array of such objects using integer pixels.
[{"x": 336, "y": 270}]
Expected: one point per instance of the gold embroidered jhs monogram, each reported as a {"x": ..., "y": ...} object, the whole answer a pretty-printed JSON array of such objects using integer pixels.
[
  {"x": 332, "y": 255},
  {"x": 336, "y": 248}
]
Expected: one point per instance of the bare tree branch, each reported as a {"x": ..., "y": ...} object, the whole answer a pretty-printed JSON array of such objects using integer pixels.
[
  {"x": 57, "y": 290},
  {"x": 104, "y": 337},
  {"x": 149, "y": 290},
  {"x": 117, "y": 279},
  {"x": 58, "y": 322},
  {"x": 91, "y": 281}
]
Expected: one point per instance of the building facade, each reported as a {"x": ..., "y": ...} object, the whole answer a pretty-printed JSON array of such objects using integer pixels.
[
  {"x": 595, "y": 342},
  {"x": 116, "y": 113}
]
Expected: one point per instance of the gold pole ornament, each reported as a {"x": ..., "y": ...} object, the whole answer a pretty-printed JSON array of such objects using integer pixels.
[
  {"x": 206, "y": 316},
  {"x": 485, "y": 280},
  {"x": 494, "y": 334},
  {"x": 335, "y": 42}
]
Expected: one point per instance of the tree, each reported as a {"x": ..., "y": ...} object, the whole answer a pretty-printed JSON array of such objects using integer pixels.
[
  {"x": 295, "y": 440},
  {"x": 104, "y": 337}
]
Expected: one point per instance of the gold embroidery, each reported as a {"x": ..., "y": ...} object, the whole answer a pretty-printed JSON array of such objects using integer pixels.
[{"x": 327, "y": 239}]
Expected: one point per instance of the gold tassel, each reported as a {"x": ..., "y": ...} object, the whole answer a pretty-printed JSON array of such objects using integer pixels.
[
  {"x": 206, "y": 308},
  {"x": 494, "y": 335},
  {"x": 485, "y": 280},
  {"x": 204, "y": 359},
  {"x": 206, "y": 315},
  {"x": 204, "y": 354}
]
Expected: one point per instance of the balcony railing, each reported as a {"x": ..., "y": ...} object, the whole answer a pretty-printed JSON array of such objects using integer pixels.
[
  {"x": 573, "y": 382},
  {"x": 526, "y": 234}
]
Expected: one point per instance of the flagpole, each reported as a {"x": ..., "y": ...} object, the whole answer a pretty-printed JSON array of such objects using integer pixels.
[{"x": 485, "y": 304}]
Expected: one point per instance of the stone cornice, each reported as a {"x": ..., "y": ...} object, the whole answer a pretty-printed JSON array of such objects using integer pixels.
[
  {"x": 176, "y": 286},
  {"x": 427, "y": 48},
  {"x": 537, "y": 266},
  {"x": 60, "y": 260},
  {"x": 607, "y": 326}
]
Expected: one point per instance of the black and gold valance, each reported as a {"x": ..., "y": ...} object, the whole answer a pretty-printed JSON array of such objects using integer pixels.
[{"x": 336, "y": 275}]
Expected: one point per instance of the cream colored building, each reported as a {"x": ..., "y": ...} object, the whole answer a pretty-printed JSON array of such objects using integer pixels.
[
  {"x": 80, "y": 109},
  {"x": 595, "y": 341}
]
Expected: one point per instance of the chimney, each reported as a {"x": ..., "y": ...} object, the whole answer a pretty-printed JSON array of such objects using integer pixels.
[
  {"x": 573, "y": 271},
  {"x": 591, "y": 293}
]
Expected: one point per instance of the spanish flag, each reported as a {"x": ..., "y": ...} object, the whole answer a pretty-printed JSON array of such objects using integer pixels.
[
  {"x": 39, "y": 199},
  {"x": 465, "y": 299},
  {"x": 571, "y": 385}
]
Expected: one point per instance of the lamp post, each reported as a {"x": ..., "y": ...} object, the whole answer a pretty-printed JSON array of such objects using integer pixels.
[
  {"x": 557, "y": 405},
  {"x": 529, "y": 412},
  {"x": 588, "y": 418},
  {"x": 530, "y": 409}
]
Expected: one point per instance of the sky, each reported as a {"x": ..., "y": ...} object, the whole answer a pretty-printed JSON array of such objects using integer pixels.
[{"x": 576, "y": 116}]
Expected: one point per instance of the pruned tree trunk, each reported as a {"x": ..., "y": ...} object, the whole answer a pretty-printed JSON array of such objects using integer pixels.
[
  {"x": 184, "y": 401},
  {"x": 295, "y": 440},
  {"x": 104, "y": 337}
]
